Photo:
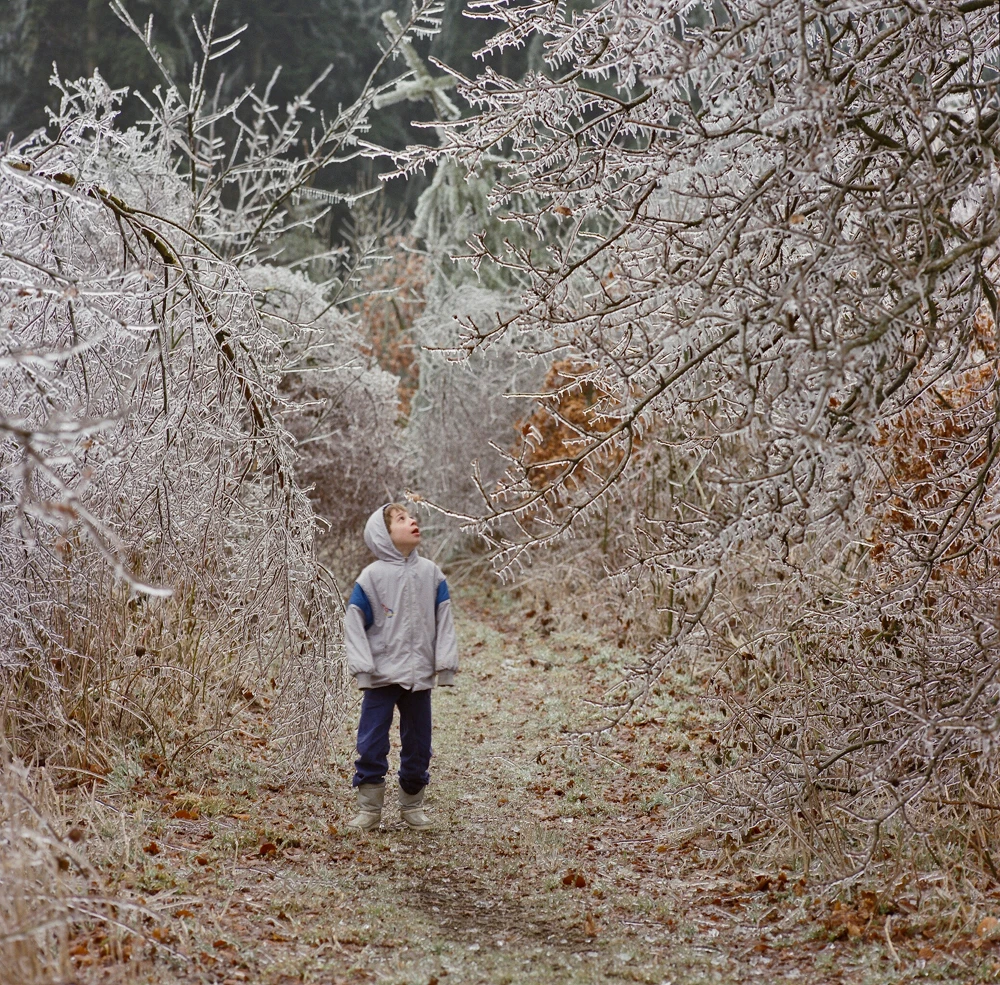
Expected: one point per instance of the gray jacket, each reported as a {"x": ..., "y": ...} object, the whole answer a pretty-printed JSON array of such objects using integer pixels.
[{"x": 399, "y": 627}]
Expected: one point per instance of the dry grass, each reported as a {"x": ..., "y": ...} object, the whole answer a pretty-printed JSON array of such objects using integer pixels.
[
  {"x": 35, "y": 883},
  {"x": 49, "y": 890}
]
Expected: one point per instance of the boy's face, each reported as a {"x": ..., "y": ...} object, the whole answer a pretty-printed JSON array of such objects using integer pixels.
[{"x": 404, "y": 531}]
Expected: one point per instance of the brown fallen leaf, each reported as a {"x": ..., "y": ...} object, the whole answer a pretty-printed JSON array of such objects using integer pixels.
[
  {"x": 988, "y": 927},
  {"x": 184, "y": 913},
  {"x": 75, "y": 834},
  {"x": 241, "y": 817},
  {"x": 184, "y": 815},
  {"x": 268, "y": 848},
  {"x": 220, "y": 944},
  {"x": 589, "y": 926},
  {"x": 201, "y": 859},
  {"x": 152, "y": 848},
  {"x": 925, "y": 953},
  {"x": 78, "y": 950}
]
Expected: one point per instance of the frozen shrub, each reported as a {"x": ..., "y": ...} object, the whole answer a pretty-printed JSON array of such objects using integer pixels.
[
  {"x": 341, "y": 408},
  {"x": 157, "y": 562},
  {"x": 764, "y": 235}
]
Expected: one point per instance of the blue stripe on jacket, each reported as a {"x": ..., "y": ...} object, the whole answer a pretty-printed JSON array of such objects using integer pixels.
[
  {"x": 359, "y": 599},
  {"x": 442, "y": 594}
]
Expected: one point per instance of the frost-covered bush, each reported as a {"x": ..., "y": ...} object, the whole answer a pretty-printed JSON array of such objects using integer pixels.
[
  {"x": 764, "y": 234},
  {"x": 341, "y": 408},
  {"x": 154, "y": 528},
  {"x": 463, "y": 407},
  {"x": 43, "y": 879},
  {"x": 164, "y": 401},
  {"x": 465, "y": 413}
]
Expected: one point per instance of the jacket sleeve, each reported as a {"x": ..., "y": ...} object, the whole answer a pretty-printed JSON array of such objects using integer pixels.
[
  {"x": 445, "y": 644},
  {"x": 356, "y": 622}
]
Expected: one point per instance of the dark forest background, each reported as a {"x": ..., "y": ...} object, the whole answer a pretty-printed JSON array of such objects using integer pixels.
[{"x": 302, "y": 36}]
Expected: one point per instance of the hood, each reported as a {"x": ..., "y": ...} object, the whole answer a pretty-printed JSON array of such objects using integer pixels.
[{"x": 378, "y": 540}]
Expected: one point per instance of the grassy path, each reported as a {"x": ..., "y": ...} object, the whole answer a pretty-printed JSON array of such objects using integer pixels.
[{"x": 549, "y": 863}]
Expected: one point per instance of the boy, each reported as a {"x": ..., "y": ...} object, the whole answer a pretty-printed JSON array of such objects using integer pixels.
[{"x": 400, "y": 634}]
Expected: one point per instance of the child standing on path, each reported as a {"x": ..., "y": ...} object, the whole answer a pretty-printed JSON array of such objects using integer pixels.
[{"x": 400, "y": 635}]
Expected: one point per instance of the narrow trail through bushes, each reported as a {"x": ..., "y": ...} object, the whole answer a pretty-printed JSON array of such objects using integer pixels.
[{"x": 551, "y": 862}]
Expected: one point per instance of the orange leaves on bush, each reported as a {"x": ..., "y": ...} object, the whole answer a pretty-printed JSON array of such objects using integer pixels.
[
  {"x": 936, "y": 486},
  {"x": 574, "y": 410}
]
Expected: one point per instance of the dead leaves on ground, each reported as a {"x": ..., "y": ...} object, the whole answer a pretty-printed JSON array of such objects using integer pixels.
[
  {"x": 97, "y": 948},
  {"x": 590, "y": 879}
]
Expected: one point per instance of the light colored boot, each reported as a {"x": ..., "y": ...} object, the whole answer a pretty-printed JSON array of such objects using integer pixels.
[
  {"x": 370, "y": 799},
  {"x": 411, "y": 810}
]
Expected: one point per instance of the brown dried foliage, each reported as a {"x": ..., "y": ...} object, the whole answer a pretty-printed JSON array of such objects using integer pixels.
[
  {"x": 575, "y": 407},
  {"x": 935, "y": 504},
  {"x": 392, "y": 300}
]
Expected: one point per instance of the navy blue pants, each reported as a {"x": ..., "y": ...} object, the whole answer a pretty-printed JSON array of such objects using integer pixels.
[{"x": 414, "y": 735}]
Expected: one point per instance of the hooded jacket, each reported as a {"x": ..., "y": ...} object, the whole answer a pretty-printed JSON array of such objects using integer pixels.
[{"x": 399, "y": 627}]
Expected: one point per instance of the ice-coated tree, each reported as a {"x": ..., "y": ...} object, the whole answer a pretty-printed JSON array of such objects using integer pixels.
[{"x": 766, "y": 262}]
